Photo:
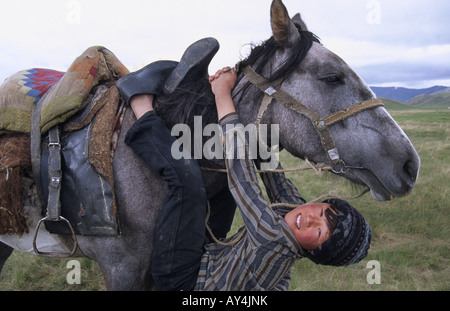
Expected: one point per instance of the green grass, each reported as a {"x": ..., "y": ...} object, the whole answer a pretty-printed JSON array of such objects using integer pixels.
[
  {"x": 411, "y": 239},
  {"x": 26, "y": 272},
  {"x": 425, "y": 115}
]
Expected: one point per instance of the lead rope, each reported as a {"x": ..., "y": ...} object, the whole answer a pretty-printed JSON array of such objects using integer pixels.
[
  {"x": 235, "y": 239},
  {"x": 272, "y": 91}
]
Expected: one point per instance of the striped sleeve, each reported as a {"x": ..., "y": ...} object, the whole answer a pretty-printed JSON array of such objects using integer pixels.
[
  {"x": 280, "y": 189},
  {"x": 261, "y": 222}
]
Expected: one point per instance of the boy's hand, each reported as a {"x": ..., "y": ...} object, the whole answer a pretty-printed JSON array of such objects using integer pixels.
[
  {"x": 223, "y": 81},
  {"x": 221, "y": 84}
]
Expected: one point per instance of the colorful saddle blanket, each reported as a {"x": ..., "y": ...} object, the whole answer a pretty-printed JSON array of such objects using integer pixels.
[
  {"x": 84, "y": 95},
  {"x": 37, "y": 81},
  {"x": 64, "y": 94}
]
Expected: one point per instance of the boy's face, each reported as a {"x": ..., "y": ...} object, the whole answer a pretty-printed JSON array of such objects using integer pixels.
[{"x": 309, "y": 226}]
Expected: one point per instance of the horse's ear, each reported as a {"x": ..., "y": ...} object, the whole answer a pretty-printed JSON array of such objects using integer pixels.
[
  {"x": 283, "y": 28},
  {"x": 297, "y": 19}
]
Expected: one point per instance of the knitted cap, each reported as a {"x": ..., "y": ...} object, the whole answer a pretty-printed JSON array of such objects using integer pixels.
[{"x": 350, "y": 240}]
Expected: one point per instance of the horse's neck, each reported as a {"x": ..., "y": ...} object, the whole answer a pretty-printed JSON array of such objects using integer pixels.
[{"x": 247, "y": 102}]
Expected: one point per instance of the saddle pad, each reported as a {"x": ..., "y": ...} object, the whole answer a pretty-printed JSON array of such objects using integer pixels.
[
  {"x": 15, "y": 161},
  {"x": 66, "y": 93},
  {"x": 87, "y": 198},
  {"x": 20, "y": 93}
]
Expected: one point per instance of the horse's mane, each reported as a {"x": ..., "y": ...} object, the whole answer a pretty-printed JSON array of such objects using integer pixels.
[
  {"x": 261, "y": 55},
  {"x": 188, "y": 100},
  {"x": 196, "y": 98}
]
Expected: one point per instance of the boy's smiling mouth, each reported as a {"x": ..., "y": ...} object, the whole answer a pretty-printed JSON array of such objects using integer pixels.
[{"x": 299, "y": 218}]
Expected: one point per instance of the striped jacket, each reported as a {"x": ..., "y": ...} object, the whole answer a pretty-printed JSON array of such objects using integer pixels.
[{"x": 263, "y": 257}]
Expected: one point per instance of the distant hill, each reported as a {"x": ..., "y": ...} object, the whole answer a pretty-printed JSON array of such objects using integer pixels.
[
  {"x": 404, "y": 94},
  {"x": 392, "y": 104},
  {"x": 446, "y": 90},
  {"x": 438, "y": 100}
]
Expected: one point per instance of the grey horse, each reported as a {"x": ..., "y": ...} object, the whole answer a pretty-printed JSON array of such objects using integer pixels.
[{"x": 374, "y": 150}]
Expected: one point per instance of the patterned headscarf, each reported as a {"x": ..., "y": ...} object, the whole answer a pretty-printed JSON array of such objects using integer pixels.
[{"x": 350, "y": 240}]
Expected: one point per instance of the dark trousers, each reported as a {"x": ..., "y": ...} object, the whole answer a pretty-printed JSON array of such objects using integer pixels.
[{"x": 180, "y": 231}]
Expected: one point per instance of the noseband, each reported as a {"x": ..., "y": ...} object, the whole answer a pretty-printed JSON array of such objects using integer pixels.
[{"x": 273, "y": 91}]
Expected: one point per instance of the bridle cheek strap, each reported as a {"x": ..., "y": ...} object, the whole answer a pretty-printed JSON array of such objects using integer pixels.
[{"x": 273, "y": 91}]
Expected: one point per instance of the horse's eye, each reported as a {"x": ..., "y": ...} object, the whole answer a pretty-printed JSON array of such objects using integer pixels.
[{"x": 332, "y": 80}]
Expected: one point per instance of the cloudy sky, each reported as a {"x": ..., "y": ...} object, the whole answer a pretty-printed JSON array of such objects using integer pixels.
[{"x": 388, "y": 42}]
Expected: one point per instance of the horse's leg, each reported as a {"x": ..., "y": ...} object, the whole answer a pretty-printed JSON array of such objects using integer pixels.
[
  {"x": 122, "y": 262},
  {"x": 5, "y": 252},
  {"x": 126, "y": 260}
]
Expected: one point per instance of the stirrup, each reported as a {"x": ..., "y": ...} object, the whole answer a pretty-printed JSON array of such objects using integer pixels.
[
  {"x": 54, "y": 204},
  {"x": 53, "y": 254}
]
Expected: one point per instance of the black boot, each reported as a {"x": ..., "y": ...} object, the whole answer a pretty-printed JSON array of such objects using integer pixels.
[
  {"x": 148, "y": 80},
  {"x": 193, "y": 64}
]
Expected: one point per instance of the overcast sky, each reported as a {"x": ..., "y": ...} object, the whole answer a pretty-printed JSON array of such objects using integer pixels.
[{"x": 388, "y": 42}]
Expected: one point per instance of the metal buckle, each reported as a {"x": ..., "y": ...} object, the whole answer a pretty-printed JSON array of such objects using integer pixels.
[
  {"x": 340, "y": 167},
  {"x": 333, "y": 154},
  {"x": 344, "y": 168},
  {"x": 270, "y": 91}
]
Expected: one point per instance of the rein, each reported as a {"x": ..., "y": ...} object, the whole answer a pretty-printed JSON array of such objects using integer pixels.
[{"x": 272, "y": 91}]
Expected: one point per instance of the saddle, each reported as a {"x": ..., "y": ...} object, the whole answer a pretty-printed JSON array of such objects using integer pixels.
[
  {"x": 86, "y": 193},
  {"x": 69, "y": 120}
]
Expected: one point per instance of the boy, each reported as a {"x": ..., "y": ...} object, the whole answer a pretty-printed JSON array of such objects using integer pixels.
[{"x": 331, "y": 233}]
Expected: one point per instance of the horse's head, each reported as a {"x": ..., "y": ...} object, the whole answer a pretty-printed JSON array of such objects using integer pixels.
[{"x": 375, "y": 150}]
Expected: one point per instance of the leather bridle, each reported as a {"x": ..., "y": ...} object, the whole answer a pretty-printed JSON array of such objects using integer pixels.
[{"x": 272, "y": 91}]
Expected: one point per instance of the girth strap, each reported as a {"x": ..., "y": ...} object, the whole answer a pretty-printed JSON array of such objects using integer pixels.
[{"x": 273, "y": 90}]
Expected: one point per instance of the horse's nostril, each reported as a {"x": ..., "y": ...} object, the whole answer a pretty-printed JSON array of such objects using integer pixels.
[{"x": 410, "y": 168}]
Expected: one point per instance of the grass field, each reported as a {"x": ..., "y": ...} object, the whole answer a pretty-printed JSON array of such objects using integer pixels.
[{"x": 411, "y": 240}]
